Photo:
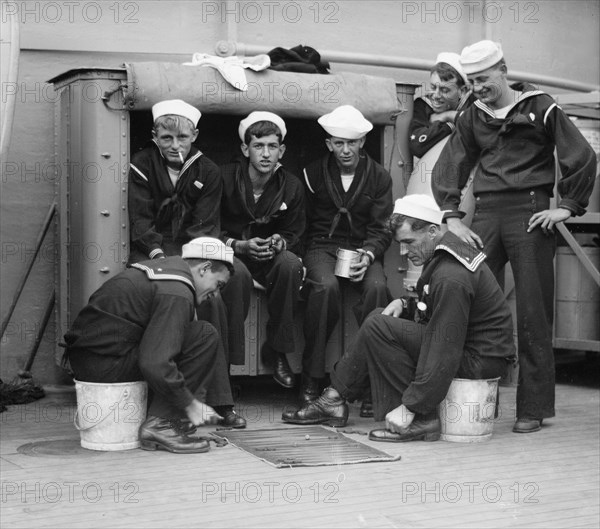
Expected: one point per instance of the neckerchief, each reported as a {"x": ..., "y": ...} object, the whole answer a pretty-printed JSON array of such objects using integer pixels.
[
  {"x": 242, "y": 176},
  {"x": 362, "y": 170},
  {"x": 173, "y": 209}
]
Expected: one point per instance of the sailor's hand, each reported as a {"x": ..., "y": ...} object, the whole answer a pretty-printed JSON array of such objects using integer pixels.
[
  {"x": 547, "y": 219},
  {"x": 399, "y": 419},
  {"x": 277, "y": 243},
  {"x": 357, "y": 270},
  {"x": 448, "y": 116},
  {"x": 199, "y": 413},
  {"x": 395, "y": 308},
  {"x": 257, "y": 249},
  {"x": 463, "y": 233}
]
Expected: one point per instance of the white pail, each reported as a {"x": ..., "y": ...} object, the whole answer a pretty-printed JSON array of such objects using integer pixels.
[
  {"x": 467, "y": 412},
  {"x": 109, "y": 416},
  {"x": 345, "y": 258}
]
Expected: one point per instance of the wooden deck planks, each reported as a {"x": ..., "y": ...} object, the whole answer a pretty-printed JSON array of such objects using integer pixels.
[{"x": 227, "y": 487}]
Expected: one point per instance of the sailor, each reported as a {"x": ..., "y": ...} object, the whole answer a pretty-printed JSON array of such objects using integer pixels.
[
  {"x": 140, "y": 325},
  {"x": 512, "y": 131}
]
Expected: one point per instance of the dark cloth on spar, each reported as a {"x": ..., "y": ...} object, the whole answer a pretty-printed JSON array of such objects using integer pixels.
[
  {"x": 424, "y": 134},
  {"x": 465, "y": 331},
  {"x": 339, "y": 219},
  {"x": 280, "y": 209},
  {"x": 163, "y": 217},
  {"x": 515, "y": 179},
  {"x": 140, "y": 325}
]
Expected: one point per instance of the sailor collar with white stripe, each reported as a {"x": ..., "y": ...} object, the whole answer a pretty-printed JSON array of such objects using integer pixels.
[
  {"x": 464, "y": 253},
  {"x": 162, "y": 270},
  {"x": 187, "y": 163},
  {"x": 520, "y": 99},
  {"x": 184, "y": 168}
]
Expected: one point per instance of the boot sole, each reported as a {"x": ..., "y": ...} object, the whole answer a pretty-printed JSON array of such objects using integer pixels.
[
  {"x": 334, "y": 423},
  {"x": 153, "y": 445},
  {"x": 529, "y": 430},
  {"x": 286, "y": 386},
  {"x": 428, "y": 437}
]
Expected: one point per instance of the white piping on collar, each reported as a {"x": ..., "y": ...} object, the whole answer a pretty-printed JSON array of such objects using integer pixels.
[
  {"x": 138, "y": 171},
  {"x": 553, "y": 105},
  {"x": 427, "y": 101},
  {"x": 186, "y": 164},
  {"x": 463, "y": 100},
  {"x": 189, "y": 162},
  {"x": 469, "y": 265},
  {"x": 307, "y": 182},
  {"x": 154, "y": 276},
  {"x": 522, "y": 97}
]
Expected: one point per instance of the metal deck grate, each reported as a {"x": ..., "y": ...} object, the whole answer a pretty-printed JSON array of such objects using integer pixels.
[{"x": 304, "y": 446}]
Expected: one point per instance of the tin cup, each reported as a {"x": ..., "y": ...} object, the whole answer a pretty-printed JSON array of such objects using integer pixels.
[{"x": 345, "y": 258}]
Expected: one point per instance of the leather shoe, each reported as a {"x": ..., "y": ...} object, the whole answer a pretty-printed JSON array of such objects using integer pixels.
[
  {"x": 282, "y": 372},
  {"x": 185, "y": 426},
  {"x": 527, "y": 425},
  {"x": 157, "y": 433},
  {"x": 329, "y": 409},
  {"x": 310, "y": 389},
  {"x": 421, "y": 429},
  {"x": 232, "y": 420},
  {"x": 366, "y": 408}
]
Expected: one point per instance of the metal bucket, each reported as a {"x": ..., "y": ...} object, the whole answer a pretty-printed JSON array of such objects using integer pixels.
[
  {"x": 345, "y": 258},
  {"x": 109, "y": 416},
  {"x": 467, "y": 412}
]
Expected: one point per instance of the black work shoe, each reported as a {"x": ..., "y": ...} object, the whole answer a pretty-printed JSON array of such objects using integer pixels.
[
  {"x": 366, "y": 408},
  {"x": 310, "y": 389},
  {"x": 282, "y": 372},
  {"x": 527, "y": 425},
  {"x": 157, "y": 433},
  {"x": 185, "y": 426},
  {"x": 421, "y": 429},
  {"x": 329, "y": 409},
  {"x": 232, "y": 420}
]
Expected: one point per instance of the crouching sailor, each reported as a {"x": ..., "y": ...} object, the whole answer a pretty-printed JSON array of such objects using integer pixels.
[
  {"x": 462, "y": 328},
  {"x": 140, "y": 325}
]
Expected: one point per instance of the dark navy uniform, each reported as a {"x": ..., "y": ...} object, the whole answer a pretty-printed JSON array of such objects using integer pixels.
[
  {"x": 424, "y": 134},
  {"x": 279, "y": 209},
  {"x": 463, "y": 329},
  {"x": 515, "y": 179},
  {"x": 163, "y": 217},
  {"x": 339, "y": 219},
  {"x": 140, "y": 325}
]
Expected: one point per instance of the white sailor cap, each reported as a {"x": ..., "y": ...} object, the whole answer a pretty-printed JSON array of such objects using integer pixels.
[
  {"x": 480, "y": 56},
  {"x": 255, "y": 117},
  {"x": 207, "y": 248},
  {"x": 345, "y": 122},
  {"x": 176, "y": 107},
  {"x": 453, "y": 59},
  {"x": 422, "y": 207}
]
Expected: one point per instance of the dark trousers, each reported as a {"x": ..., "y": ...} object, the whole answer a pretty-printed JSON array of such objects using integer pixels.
[
  {"x": 227, "y": 312},
  {"x": 196, "y": 362},
  {"x": 501, "y": 220},
  {"x": 386, "y": 353},
  {"x": 323, "y": 302},
  {"x": 282, "y": 279}
]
